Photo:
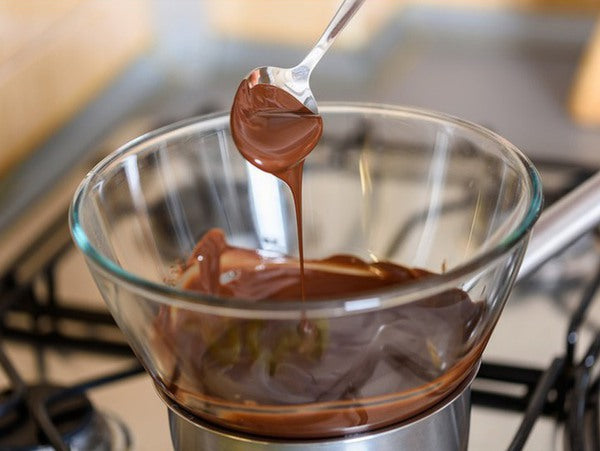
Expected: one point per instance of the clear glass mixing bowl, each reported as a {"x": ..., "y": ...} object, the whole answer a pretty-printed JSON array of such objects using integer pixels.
[{"x": 407, "y": 186}]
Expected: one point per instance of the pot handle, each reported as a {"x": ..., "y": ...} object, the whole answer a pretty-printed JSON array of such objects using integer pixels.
[{"x": 562, "y": 223}]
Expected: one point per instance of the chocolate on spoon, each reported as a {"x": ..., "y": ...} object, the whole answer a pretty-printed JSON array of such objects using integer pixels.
[{"x": 274, "y": 117}]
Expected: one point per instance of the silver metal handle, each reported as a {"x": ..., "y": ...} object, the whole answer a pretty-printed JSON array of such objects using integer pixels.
[
  {"x": 343, "y": 15},
  {"x": 562, "y": 223}
]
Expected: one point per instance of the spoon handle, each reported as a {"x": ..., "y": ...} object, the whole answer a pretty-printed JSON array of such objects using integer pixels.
[{"x": 337, "y": 24}]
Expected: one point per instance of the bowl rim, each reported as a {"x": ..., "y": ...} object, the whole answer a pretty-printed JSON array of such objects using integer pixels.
[{"x": 381, "y": 298}]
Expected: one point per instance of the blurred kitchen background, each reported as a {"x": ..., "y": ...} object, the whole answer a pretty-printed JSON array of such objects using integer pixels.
[
  {"x": 72, "y": 71},
  {"x": 79, "y": 78}
]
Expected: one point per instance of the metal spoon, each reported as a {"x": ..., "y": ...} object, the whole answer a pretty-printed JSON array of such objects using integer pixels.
[{"x": 295, "y": 80}]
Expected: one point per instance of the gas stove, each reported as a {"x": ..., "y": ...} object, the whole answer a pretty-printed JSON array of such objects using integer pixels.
[{"x": 70, "y": 381}]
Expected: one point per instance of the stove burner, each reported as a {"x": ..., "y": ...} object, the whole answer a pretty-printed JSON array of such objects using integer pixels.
[{"x": 72, "y": 416}]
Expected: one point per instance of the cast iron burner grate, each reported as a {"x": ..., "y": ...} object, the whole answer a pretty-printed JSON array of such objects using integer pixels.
[
  {"x": 568, "y": 390},
  {"x": 46, "y": 416},
  {"x": 43, "y": 418},
  {"x": 50, "y": 417}
]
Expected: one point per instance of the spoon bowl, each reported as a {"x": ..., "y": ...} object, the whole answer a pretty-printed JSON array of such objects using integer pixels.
[
  {"x": 294, "y": 80},
  {"x": 272, "y": 129}
]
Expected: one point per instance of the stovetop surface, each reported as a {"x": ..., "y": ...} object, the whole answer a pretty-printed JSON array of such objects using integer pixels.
[{"x": 508, "y": 72}]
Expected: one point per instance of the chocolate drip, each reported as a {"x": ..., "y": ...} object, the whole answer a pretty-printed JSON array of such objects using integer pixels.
[{"x": 275, "y": 132}]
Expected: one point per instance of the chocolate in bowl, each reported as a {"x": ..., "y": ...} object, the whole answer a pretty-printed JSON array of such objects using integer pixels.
[{"x": 304, "y": 378}]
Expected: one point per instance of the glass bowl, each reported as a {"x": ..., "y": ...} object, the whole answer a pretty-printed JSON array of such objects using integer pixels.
[{"x": 411, "y": 187}]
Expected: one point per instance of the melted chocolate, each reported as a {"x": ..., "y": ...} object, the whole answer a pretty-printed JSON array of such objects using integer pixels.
[
  {"x": 222, "y": 270},
  {"x": 272, "y": 129},
  {"x": 329, "y": 377}
]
